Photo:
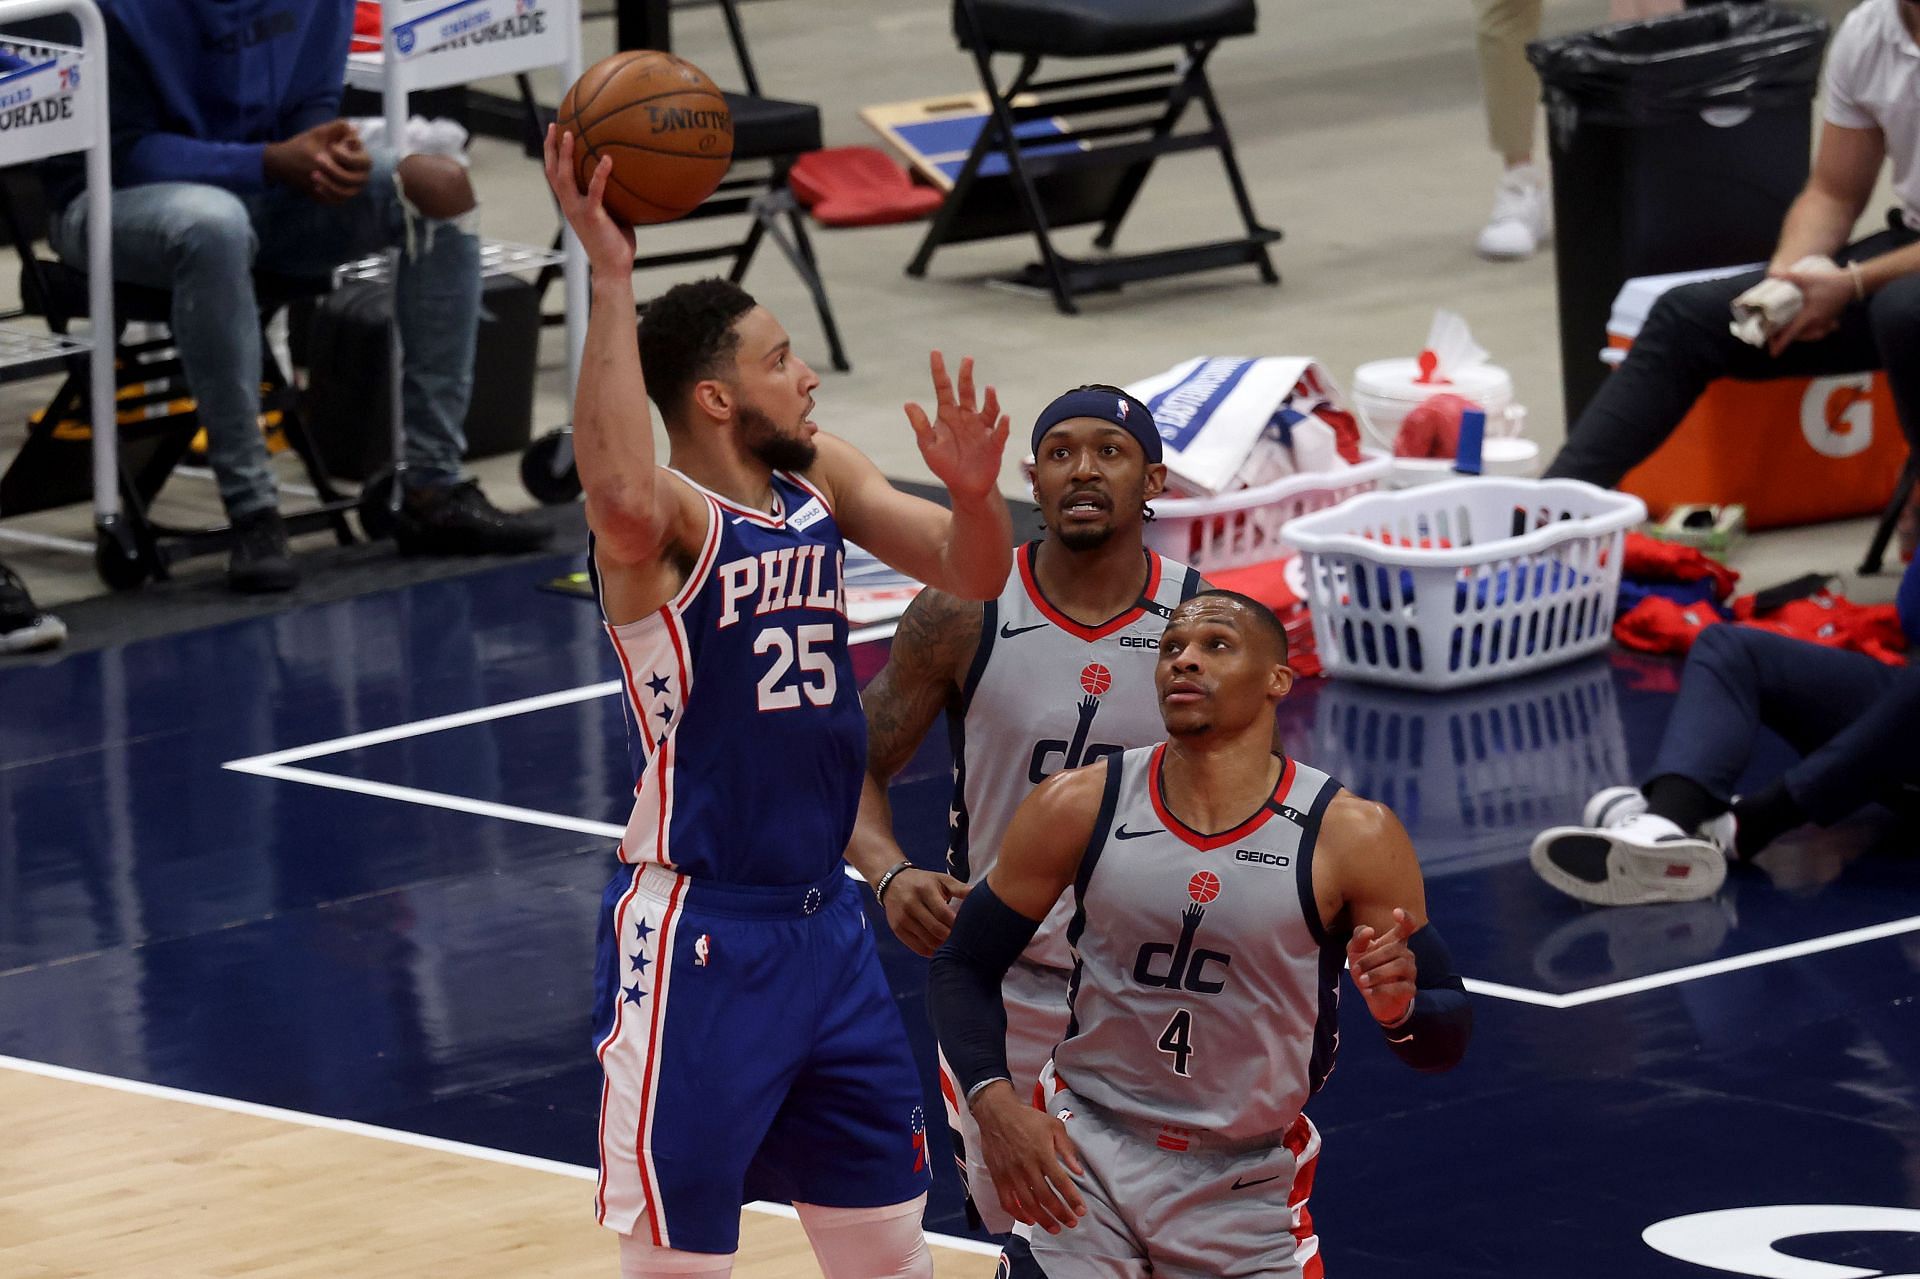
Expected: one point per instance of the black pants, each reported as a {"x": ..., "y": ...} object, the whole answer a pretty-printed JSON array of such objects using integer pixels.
[{"x": 1685, "y": 344}]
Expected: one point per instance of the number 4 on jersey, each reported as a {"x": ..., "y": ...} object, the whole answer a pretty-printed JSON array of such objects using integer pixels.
[{"x": 1177, "y": 1041}]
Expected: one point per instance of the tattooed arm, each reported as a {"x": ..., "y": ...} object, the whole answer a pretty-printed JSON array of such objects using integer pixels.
[{"x": 931, "y": 650}]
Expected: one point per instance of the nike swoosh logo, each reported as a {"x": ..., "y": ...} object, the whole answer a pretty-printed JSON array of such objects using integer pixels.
[
  {"x": 1008, "y": 631},
  {"x": 1243, "y": 1185},
  {"x": 1124, "y": 833}
]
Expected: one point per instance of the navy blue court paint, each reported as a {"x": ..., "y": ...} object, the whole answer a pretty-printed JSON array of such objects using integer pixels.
[{"x": 166, "y": 919}]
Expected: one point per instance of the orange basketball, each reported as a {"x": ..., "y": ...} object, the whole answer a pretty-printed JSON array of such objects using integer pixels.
[{"x": 663, "y": 122}]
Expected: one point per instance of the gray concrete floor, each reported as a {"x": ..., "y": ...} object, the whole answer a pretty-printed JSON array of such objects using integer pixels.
[{"x": 1359, "y": 127}]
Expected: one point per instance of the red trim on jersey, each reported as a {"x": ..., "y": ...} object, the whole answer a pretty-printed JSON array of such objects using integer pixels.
[
  {"x": 758, "y": 517},
  {"x": 796, "y": 478},
  {"x": 1199, "y": 839},
  {"x": 709, "y": 551},
  {"x": 1024, "y": 558},
  {"x": 947, "y": 1089},
  {"x": 633, "y": 698},
  {"x": 665, "y": 960}
]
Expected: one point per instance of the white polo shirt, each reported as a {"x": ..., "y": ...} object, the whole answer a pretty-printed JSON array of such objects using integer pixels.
[{"x": 1873, "y": 82}]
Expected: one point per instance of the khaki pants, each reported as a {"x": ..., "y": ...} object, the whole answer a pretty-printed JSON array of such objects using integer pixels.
[{"x": 1502, "y": 29}]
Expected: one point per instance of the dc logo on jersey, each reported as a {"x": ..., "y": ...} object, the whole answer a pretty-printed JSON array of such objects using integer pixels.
[
  {"x": 918, "y": 1123},
  {"x": 1095, "y": 680},
  {"x": 1186, "y": 964}
]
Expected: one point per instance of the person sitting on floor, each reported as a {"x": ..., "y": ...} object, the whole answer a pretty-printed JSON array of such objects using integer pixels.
[
  {"x": 228, "y": 156},
  {"x": 1850, "y": 718},
  {"x": 1861, "y": 307}
]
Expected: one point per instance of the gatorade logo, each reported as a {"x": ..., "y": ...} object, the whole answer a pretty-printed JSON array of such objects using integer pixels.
[
  {"x": 1742, "y": 1241},
  {"x": 1836, "y": 415}
]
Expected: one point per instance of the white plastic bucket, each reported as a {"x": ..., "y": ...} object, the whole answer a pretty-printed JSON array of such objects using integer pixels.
[{"x": 1385, "y": 391}]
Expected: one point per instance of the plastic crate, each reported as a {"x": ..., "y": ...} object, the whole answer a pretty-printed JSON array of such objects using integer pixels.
[
  {"x": 1247, "y": 527},
  {"x": 1466, "y": 581}
]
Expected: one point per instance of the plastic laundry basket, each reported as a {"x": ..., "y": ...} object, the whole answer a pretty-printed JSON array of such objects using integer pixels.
[
  {"x": 1247, "y": 527},
  {"x": 1466, "y": 581}
]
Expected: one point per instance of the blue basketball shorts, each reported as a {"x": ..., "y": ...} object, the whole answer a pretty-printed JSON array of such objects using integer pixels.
[{"x": 749, "y": 1049}]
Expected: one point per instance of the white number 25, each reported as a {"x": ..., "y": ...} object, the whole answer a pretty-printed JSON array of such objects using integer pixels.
[{"x": 814, "y": 654}]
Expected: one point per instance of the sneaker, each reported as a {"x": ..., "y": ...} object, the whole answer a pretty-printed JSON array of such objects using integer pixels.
[
  {"x": 1643, "y": 859},
  {"x": 1614, "y": 805},
  {"x": 1519, "y": 224},
  {"x": 23, "y": 627},
  {"x": 459, "y": 520},
  {"x": 260, "y": 561}
]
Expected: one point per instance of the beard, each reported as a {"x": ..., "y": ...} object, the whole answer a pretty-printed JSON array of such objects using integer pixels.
[
  {"x": 774, "y": 448},
  {"x": 1081, "y": 538}
]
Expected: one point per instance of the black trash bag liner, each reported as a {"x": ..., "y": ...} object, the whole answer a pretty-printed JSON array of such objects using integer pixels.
[{"x": 1673, "y": 68}]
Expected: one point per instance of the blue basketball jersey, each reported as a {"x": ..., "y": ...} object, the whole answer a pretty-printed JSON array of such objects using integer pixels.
[{"x": 744, "y": 726}]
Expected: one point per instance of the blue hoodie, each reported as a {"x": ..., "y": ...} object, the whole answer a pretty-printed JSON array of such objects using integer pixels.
[{"x": 197, "y": 88}]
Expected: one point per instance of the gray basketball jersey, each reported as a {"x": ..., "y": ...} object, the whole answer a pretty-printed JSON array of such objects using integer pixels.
[
  {"x": 1046, "y": 694},
  {"x": 1205, "y": 988}
]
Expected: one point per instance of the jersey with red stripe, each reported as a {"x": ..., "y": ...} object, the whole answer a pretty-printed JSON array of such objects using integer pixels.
[{"x": 743, "y": 720}]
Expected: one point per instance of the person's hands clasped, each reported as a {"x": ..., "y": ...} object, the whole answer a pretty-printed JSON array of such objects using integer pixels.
[
  {"x": 609, "y": 243},
  {"x": 1826, "y": 288},
  {"x": 327, "y": 163},
  {"x": 920, "y": 906},
  {"x": 1030, "y": 1156}
]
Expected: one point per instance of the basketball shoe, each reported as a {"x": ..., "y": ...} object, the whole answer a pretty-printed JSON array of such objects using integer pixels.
[
  {"x": 23, "y": 627},
  {"x": 1521, "y": 219},
  {"x": 1635, "y": 860}
]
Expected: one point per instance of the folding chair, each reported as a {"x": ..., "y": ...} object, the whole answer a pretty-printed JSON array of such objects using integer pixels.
[
  {"x": 157, "y": 416},
  {"x": 1890, "y": 518},
  {"x": 1038, "y": 134}
]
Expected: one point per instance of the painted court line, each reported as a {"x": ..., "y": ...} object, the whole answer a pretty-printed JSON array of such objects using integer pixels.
[
  {"x": 276, "y": 765},
  {"x": 395, "y": 1136}
]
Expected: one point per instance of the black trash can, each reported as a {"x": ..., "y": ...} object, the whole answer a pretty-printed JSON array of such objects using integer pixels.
[{"x": 1677, "y": 144}]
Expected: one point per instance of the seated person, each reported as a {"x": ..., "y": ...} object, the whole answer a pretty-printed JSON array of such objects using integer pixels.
[
  {"x": 228, "y": 156},
  {"x": 1850, "y": 717},
  {"x": 1862, "y": 315},
  {"x": 23, "y": 627}
]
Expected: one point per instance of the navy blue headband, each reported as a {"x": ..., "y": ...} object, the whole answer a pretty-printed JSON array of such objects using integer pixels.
[{"x": 1121, "y": 409}]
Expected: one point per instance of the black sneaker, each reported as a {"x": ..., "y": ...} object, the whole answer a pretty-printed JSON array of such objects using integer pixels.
[
  {"x": 23, "y": 627},
  {"x": 459, "y": 520},
  {"x": 260, "y": 561}
]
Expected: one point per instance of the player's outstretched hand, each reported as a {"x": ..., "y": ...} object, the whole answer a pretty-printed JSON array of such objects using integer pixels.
[
  {"x": 609, "y": 243},
  {"x": 921, "y": 905},
  {"x": 961, "y": 443},
  {"x": 1030, "y": 1156},
  {"x": 1383, "y": 968}
]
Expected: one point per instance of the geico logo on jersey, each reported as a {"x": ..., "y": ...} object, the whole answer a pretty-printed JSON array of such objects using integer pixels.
[
  {"x": 1186, "y": 964},
  {"x": 1258, "y": 858},
  {"x": 1138, "y": 641},
  {"x": 791, "y": 577}
]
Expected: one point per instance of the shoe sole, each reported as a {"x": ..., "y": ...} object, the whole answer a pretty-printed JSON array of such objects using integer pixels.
[{"x": 1597, "y": 867}]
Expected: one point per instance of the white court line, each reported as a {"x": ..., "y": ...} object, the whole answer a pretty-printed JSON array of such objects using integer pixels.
[
  {"x": 395, "y": 1136},
  {"x": 274, "y": 765}
]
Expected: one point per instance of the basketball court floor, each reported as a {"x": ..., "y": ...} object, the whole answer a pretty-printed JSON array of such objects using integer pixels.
[{"x": 343, "y": 864}]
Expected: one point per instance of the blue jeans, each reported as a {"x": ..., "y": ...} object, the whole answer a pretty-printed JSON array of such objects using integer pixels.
[
  {"x": 203, "y": 243},
  {"x": 1851, "y": 718}
]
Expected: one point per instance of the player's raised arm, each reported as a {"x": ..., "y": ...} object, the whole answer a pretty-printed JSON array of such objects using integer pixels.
[
  {"x": 633, "y": 508},
  {"x": 1368, "y": 872},
  {"x": 1027, "y": 1151},
  {"x": 966, "y": 551},
  {"x": 933, "y": 645}
]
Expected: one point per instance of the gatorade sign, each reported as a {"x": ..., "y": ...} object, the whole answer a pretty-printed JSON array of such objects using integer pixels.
[
  {"x": 39, "y": 109},
  {"x": 1836, "y": 415},
  {"x": 454, "y": 41}
]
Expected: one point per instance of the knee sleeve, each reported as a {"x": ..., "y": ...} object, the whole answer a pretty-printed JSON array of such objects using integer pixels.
[
  {"x": 869, "y": 1243},
  {"x": 641, "y": 1258}
]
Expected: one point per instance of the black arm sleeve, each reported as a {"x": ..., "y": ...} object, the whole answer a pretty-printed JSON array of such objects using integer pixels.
[
  {"x": 963, "y": 987},
  {"x": 1434, "y": 1036}
]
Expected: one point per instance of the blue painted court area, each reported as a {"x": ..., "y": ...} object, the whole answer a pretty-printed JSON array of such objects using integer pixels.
[{"x": 395, "y": 925}]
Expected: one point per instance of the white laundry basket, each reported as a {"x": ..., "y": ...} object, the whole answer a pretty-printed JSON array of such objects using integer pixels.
[
  {"x": 1247, "y": 527},
  {"x": 1466, "y": 581}
]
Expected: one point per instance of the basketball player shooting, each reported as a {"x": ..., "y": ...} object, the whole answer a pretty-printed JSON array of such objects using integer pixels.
[
  {"x": 1056, "y": 673},
  {"x": 749, "y": 1044},
  {"x": 1216, "y": 886}
]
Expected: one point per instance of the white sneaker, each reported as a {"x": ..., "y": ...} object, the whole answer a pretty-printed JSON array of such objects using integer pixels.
[
  {"x": 1521, "y": 218},
  {"x": 1644, "y": 859},
  {"x": 1614, "y": 805}
]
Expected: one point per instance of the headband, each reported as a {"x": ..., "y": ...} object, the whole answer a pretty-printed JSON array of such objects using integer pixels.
[{"x": 1121, "y": 409}]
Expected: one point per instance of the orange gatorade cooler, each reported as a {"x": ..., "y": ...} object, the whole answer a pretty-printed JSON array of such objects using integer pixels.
[{"x": 1792, "y": 450}]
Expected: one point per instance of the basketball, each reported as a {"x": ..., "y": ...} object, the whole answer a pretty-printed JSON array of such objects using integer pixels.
[{"x": 662, "y": 121}]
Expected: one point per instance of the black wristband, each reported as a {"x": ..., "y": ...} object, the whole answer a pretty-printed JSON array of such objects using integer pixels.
[
  {"x": 880, "y": 889},
  {"x": 963, "y": 987}
]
